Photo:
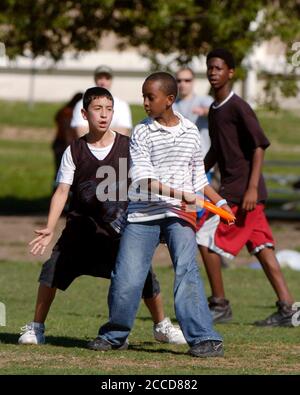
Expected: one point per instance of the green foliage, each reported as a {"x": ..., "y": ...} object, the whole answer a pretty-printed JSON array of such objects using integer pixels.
[
  {"x": 184, "y": 27},
  {"x": 276, "y": 85},
  {"x": 33, "y": 28},
  {"x": 281, "y": 20},
  {"x": 181, "y": 29}
]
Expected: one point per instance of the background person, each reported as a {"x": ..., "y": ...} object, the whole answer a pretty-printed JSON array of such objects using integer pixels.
[
  {"x": 65, "y": 134},
  {"x": 192, "y": 106},
  {"x": 122, "y": 120},
  {"x": 195, "y": 108}
]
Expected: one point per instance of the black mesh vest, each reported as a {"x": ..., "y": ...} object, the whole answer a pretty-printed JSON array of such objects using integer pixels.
[{"x": 99, "y": 188}]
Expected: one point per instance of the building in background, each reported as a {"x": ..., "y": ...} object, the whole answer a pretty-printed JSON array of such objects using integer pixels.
[{"x": 44, "y": 80}]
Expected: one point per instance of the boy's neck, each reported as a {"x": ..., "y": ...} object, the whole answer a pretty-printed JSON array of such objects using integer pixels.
[
  {"x": 168, "y": 119},
  {"x": 187, "y": 97},
  {"x": 99, "y": 139},
  {"x": 222, "y": 93}
]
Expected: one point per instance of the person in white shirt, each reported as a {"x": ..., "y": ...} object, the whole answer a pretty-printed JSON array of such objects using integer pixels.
[{"x": 121, "y": 121}]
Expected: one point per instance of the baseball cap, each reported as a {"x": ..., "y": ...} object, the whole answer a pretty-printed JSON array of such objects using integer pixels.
[{"x": 103, "y": 70}]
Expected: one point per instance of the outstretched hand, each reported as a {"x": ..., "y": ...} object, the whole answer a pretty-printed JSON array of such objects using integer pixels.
[{"x": 41, "y": 242}]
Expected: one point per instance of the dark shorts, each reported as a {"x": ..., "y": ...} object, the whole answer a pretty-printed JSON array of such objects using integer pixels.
[{"x": 82, "y": 251}]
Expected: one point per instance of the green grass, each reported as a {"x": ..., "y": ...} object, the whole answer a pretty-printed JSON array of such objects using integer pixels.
[
  {"x": 26, "y": 174},
  {"x": 14, "y": 113},
  {"x": 280, "y": 127},
  {"x": 26, "y": 166},
  {"x": 41, "y": 115},
  {"x": 138, "y": 113},
  {"x": 77, "y": 313}
]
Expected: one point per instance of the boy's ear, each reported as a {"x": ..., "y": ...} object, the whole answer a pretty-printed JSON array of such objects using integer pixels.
[
  {"x": 84, "y": 113},
  {"x": 171, "y": 99},
  {"x": 231, "y": 73}
]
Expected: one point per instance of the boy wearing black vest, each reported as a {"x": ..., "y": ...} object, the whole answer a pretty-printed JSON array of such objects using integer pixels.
[{"x": 95, "y": 169}]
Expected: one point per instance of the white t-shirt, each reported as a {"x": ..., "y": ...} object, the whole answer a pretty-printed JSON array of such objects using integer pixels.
[
  {"x": 121, "y": 117},
  {"x": 67, "y": 167},
  {"x": 171, "y": 155}
]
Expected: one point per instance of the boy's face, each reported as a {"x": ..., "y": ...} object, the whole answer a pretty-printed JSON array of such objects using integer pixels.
[
  {"x": 156, "y": 101},
  {"x": 218, "y": 73},
  {"x": 99, "y": 114}
]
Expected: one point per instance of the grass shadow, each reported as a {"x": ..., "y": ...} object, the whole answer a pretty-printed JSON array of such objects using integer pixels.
[
  {"x": 11, "y": 205},
  {"x": 71, "y": 342},
  {"x": 143, "y": 348},
  {"x": 60, "y": 341},
  {"x": 9, "y": 338}
]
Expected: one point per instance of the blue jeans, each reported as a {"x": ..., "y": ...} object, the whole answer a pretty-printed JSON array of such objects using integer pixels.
[{"x": 136, "y": 250}]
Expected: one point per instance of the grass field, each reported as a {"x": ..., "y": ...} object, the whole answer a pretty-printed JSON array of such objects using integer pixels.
[
  {"x": 26, "y": 174},
  {"x": 26, "y": 163},
  {"x": 77, "y": 313}
]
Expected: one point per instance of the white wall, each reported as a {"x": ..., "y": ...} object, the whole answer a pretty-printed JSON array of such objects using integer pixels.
[
  {"x": 60, "y": 88},
  {"x": 58, "y": 82}
]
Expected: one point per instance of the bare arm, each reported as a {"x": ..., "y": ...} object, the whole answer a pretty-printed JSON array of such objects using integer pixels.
[
  {"x": 210, "y": 159},
  {"x": 201, "y": 111},
  {"x": 251, "y": 194},
  {"x": 57, "y": 205}
]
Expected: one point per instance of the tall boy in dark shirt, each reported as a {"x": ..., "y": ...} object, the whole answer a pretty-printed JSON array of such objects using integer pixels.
[{"x": 237, "y": 146}]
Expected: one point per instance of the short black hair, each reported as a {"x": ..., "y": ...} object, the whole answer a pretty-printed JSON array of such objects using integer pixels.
[
  {"x": 92, "y": 93},
  {"x": 224, "y": 54},
  {"x": 167, "y": 81}
]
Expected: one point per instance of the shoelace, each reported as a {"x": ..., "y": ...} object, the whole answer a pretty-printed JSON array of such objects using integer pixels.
[
  {"x": 217, "y": 346},
  {"x": 25, "y": 329},
  {"x": 171, "y": 329}
]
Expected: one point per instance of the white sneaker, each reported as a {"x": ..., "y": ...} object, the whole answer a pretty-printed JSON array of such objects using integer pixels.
[
  {"x": 166, "y": 332},
  {"x": 32, "y": 333}
]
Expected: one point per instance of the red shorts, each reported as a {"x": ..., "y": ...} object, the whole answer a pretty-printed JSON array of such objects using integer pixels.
[{"x": 251, "y": 228}]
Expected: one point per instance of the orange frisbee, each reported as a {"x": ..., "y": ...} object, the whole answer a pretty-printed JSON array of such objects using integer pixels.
[{"x": 219, "y": 211}]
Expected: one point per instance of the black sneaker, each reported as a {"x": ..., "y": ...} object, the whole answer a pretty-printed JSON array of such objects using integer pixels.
[
  {"x": 220, "y": 309},
  {"x": 207, "y": 348},
  {"x": 100, "y": 344},
  {"x": 282, "y": 317}
]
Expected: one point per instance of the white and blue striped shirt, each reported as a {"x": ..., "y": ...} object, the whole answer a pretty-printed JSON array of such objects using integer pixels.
[{"x": 172, "y": 156}]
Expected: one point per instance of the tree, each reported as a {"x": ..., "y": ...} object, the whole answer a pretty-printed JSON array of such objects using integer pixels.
[
  {"x": 183, "y": 28},
  {"x": 281, "y": 20},
  {"x": 40, "y": 27}
]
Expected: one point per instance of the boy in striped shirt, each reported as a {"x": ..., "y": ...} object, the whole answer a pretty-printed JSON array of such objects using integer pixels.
[{"x": 166, "y": 171}]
